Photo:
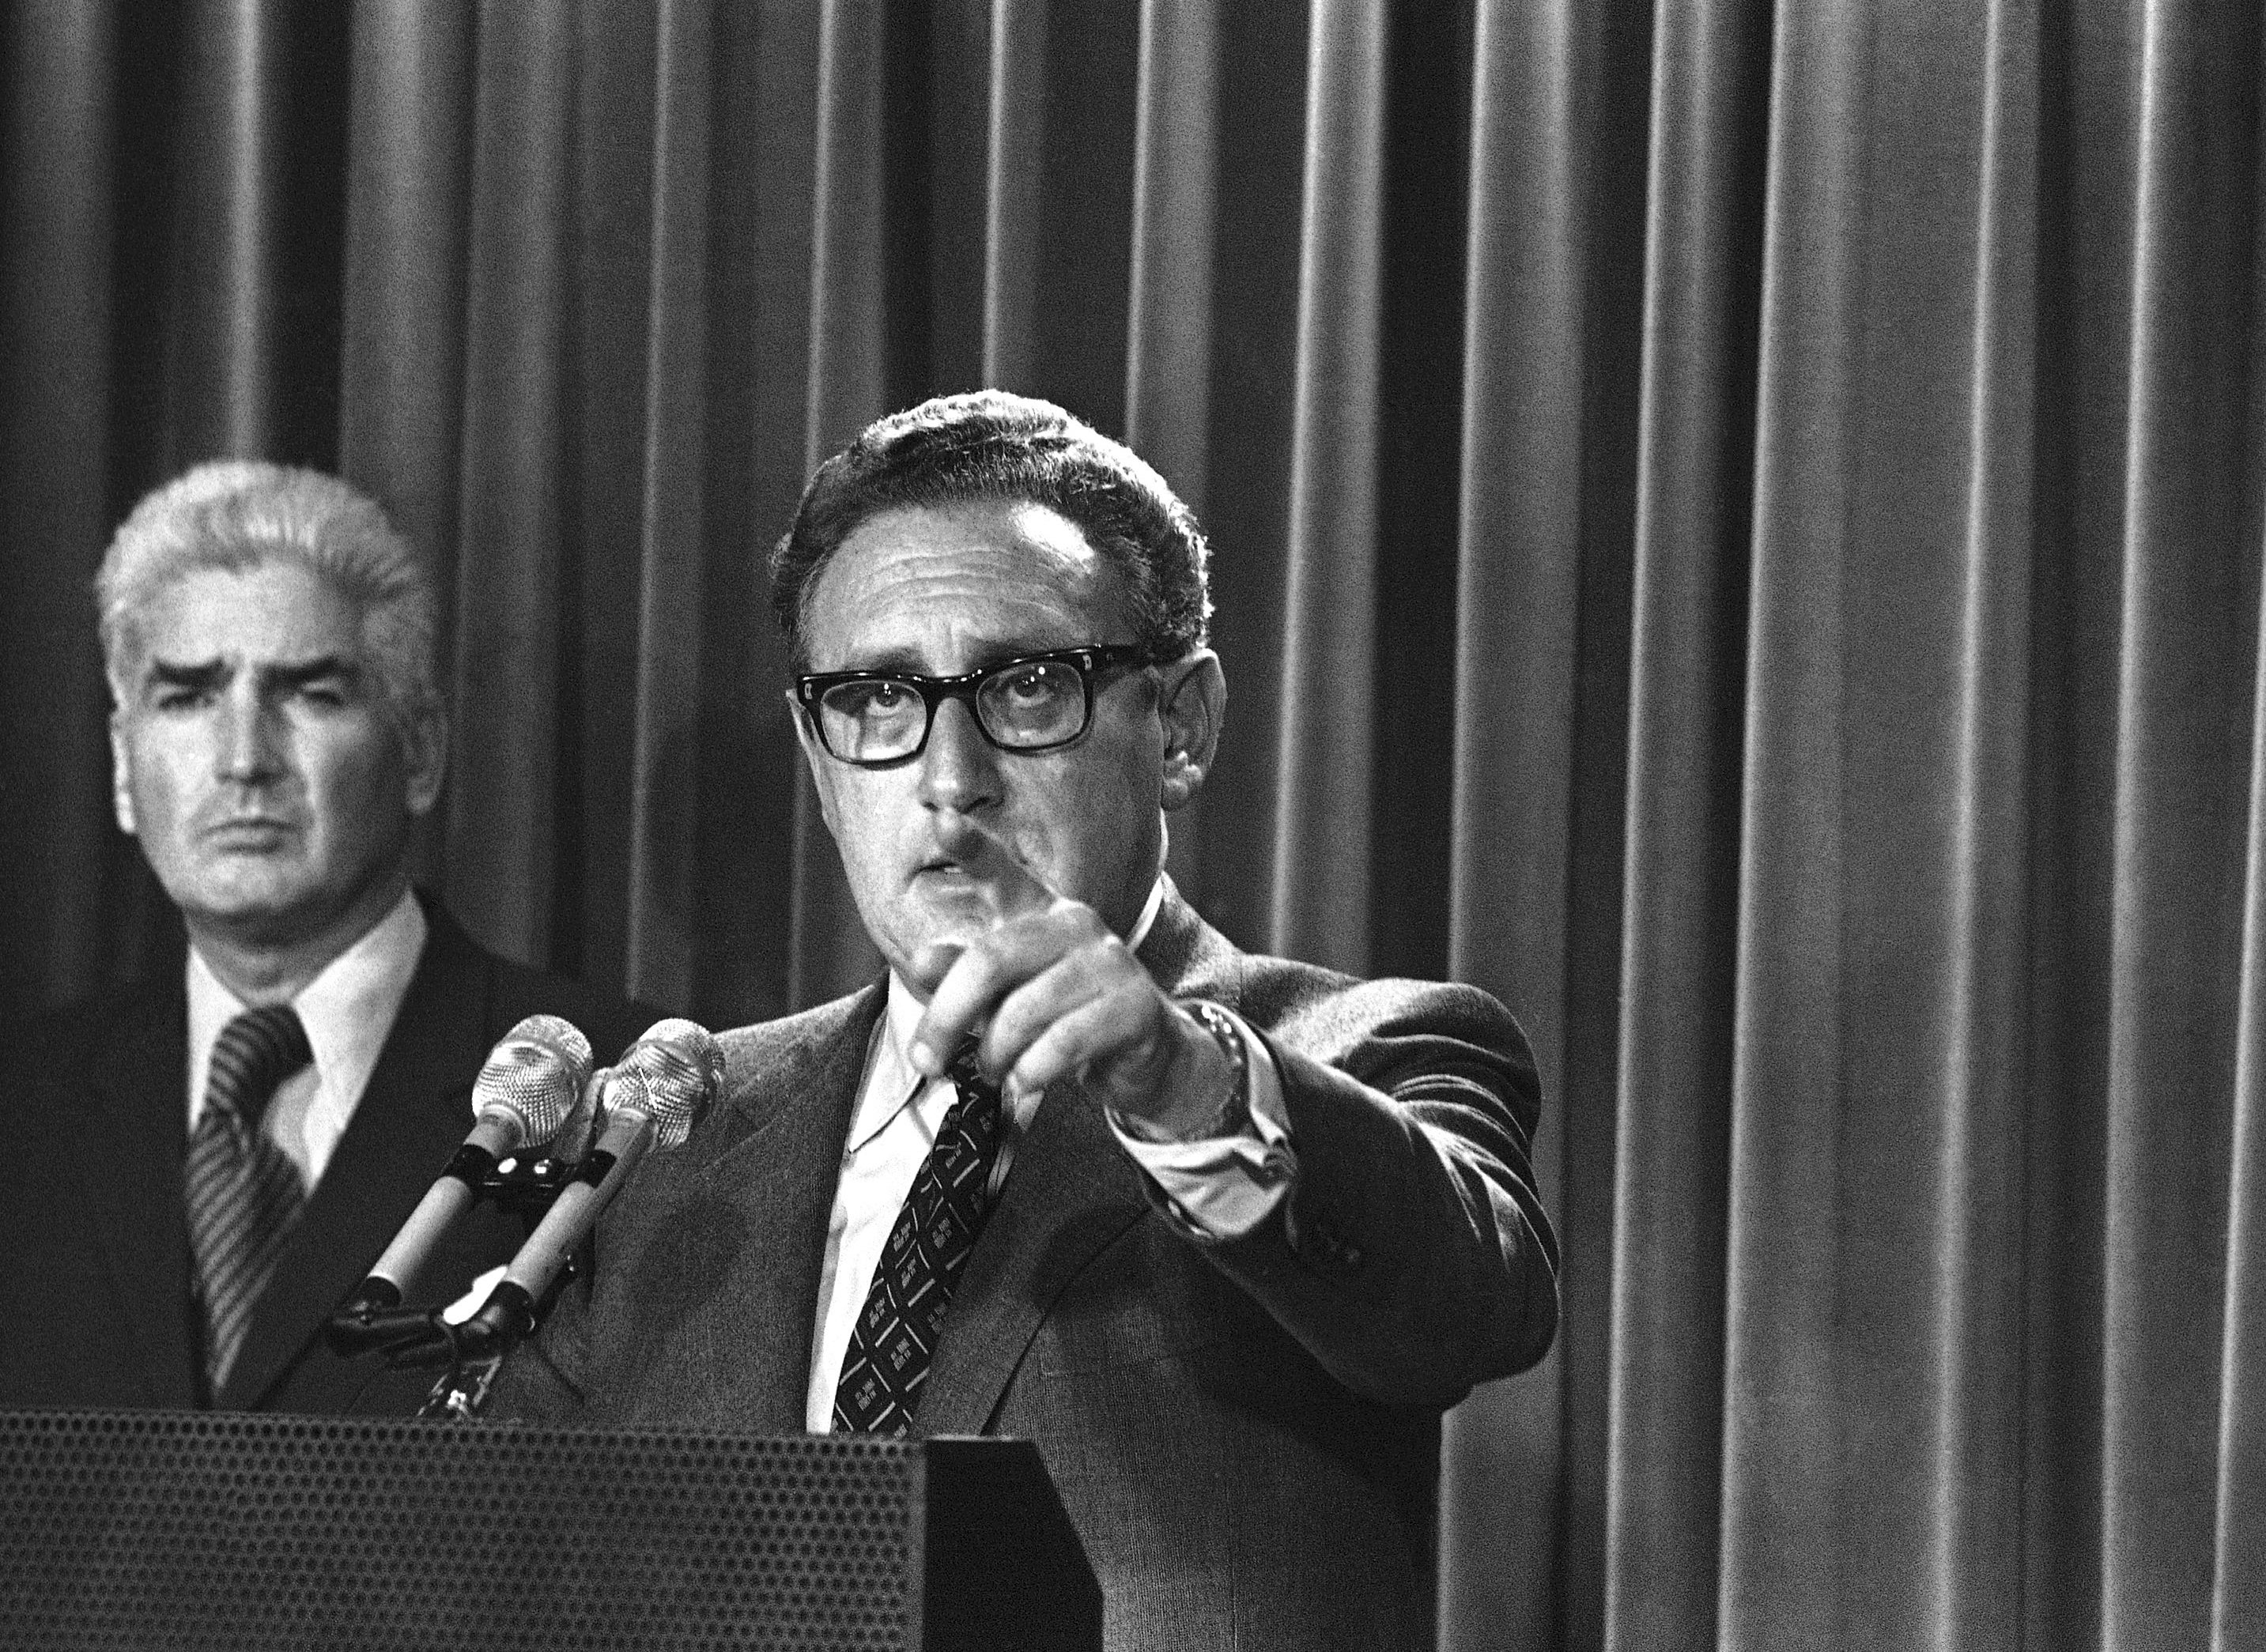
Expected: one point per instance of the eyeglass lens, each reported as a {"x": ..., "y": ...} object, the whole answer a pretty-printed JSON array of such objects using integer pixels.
[{"x": 1024, "y": 706}]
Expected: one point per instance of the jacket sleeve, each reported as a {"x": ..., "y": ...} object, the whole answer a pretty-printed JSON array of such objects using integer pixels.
[{"x": 1413, "y": 1257}]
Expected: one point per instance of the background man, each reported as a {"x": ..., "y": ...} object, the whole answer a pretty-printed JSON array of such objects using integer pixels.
[
  {"x": 202, "y": 1167},
  {"x": 1222, "y": 1234}
]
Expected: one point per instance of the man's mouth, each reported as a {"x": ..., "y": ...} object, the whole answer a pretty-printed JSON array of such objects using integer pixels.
[{"x": 248, "y": 832}]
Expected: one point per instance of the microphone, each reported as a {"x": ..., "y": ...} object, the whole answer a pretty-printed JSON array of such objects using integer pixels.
[
  {"x": 652, "y": 1097},
  {"x": 530, "y": 1080}
]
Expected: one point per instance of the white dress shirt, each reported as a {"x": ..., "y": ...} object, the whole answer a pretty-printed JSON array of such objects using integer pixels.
[
  {"x": 347, "y": 1011},
  {"x": 1214, "y": 1189}
]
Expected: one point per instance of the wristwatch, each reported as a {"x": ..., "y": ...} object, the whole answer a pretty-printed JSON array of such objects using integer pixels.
[{"x": 1234, "y": 1115}]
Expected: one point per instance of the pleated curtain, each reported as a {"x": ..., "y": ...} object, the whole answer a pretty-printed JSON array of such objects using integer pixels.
[{"x": 1737, "y": 528}]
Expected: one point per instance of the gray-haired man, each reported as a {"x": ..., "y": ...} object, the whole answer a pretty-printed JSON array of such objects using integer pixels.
[{"x": 207, "y": 1162}]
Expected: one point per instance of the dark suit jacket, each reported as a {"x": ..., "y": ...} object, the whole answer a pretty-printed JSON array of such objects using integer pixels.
[
  {"x": 1246, "y": 1435},
  {"x": 95, "y": 1304}
]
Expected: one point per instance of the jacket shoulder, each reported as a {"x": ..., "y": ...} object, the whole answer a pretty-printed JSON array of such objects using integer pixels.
[
  {"x": 756, "y": 1053},
  {"x": 1329, "y": 1015},
  {"x": 1321, "y": 1010}
]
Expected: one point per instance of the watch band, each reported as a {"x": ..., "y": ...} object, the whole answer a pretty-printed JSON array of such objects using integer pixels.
[{"x": 1234, "y": 1115}]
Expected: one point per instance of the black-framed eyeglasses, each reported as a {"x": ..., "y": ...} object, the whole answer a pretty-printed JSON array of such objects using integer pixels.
[{"x": 1031, "y": 703}]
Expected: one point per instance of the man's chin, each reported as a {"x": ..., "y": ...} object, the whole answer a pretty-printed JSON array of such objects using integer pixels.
[
  {"x": 273, "y": 923},
  {"x": 263, "y": 911}
]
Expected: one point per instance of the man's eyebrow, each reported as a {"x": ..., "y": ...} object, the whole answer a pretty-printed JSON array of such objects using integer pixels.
[
  {"x": 894, "y": 660},
  {"x": 202, "y": 673},
  {"x": 904, "y": 661},
  {"x": 298, "y": 673},
  {"x": 285, "y": 676}
]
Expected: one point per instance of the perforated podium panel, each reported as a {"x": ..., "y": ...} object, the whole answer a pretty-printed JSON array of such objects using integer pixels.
[{"x": 195, "y": 1530}]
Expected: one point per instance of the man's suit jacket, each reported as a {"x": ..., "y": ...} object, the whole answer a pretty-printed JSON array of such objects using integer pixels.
[
  {"x": 95, "y": 1304},
  {"x": 1246, "y": 1435}
]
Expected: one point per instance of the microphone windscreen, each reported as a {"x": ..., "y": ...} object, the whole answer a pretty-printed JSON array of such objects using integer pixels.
[
  {"x": 536, "y": 1074},
  {"x": 680, "y": 1066}
]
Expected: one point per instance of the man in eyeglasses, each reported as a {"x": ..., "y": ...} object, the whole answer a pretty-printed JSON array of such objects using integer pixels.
[{"x": 1222, "y": 1234}]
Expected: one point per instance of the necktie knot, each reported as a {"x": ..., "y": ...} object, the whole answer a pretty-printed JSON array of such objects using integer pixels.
[
  {"x": 253, "y": 1054},
  {"x": 977, "y": 1109}
]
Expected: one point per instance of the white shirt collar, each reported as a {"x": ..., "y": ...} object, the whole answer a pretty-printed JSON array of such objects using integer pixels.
[
  {"x": 348, "y": 1010},
  {"x": 1147, "y": 920},
  {"x": 892, "y": 1081}
]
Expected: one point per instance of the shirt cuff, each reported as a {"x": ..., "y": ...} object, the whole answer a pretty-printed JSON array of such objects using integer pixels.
[{"x": 1220, "y": 1187}]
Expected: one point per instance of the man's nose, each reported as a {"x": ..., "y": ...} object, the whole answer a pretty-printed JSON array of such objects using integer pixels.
[
  {"x": 960, "y": 767},
  {"x": 251, "y": 740}
]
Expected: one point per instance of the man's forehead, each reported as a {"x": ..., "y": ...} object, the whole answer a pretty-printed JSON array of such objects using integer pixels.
[
  {"x": 275, "y": 615},
  {"x": 1013, "y": 532},
  {"x": 964, "y": 579}
]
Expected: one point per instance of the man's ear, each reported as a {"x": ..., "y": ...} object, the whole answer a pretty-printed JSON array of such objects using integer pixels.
[
  {"x": 1195, "y": 702},
  {"x": 121, "y": 788},
  {"x": 813, "y": 754},
  {"x": 424, "y": 754}
]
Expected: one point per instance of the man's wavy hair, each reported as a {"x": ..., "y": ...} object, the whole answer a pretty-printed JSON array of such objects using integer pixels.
[
  {"x": 237, "y": 514},
  {"x": 988, "y": 445}
]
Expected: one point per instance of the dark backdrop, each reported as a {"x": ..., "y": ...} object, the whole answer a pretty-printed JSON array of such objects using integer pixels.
[{"x": 1738, "y": 529}]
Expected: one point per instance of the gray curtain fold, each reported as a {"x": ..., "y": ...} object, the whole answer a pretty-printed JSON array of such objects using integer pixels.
[
  {"x": 1793, "y": 1259},
  {"x": 1321, "y": 908},
  {"x": 408, "y": 209},
  {"x": 1737, "y": 527},
  {"x": 1665, "y": 1398},
  {"x": 58, "y": 223},
  {"x": 515, "y": 506},
  {"x": 672, "y": 591}
]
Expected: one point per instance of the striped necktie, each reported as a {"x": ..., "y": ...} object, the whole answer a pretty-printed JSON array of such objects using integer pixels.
[
  {"x": 242, "y": 1191},
  {"x": 920, "y": 1267}
]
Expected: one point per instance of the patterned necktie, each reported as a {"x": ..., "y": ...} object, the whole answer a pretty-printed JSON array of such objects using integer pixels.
[
  {"x": 920, "y": 1267},
  {"x": 242, "y": 1190}
]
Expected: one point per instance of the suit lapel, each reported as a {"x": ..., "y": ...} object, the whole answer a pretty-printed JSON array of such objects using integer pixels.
[
  {"x": 1071, "y": 1192},
  {"x": 414, "y": 1111},
  {"x": 133, "y": 1183},
  {"x": 776, "y": 1157}
]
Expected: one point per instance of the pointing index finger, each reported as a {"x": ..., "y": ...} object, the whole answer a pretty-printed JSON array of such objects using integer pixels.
[
  {"x": 1017, "y": 889},
  {"x": 962, "y": 999}
]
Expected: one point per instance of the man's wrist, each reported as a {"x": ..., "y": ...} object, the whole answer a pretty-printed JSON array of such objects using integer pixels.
[
  {"x": 1233, "y": 1115},
  {"x": 1207, "y": 1088}
]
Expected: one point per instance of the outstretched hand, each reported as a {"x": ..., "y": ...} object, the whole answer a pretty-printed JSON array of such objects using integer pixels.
[{"x": 1052, "y": 993}]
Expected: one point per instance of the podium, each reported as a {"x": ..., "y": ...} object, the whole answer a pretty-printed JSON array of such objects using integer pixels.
[{"x": 156, "y": 1529}]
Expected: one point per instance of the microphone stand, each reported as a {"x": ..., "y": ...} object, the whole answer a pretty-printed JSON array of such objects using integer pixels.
[
  {"x": 475, "y": 1357},
  {"x": 474, "y": 1349},
  {"x": 374, "y": 1320}
]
